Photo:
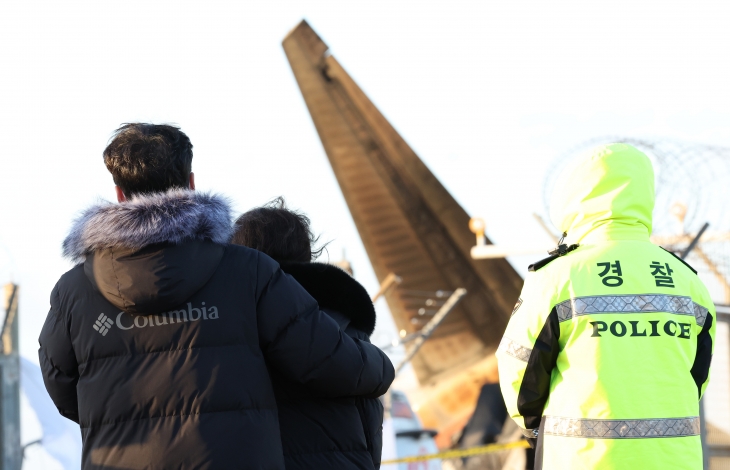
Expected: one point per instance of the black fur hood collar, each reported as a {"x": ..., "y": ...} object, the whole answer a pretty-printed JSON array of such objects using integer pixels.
[
  {"x": 334, "y": 289},
  {"x": 173, "y": 216}
]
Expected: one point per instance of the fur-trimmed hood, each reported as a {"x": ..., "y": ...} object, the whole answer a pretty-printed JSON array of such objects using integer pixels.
[
  {"x": 170, "y": 217},
  {"x": 334, "y": 289},
  {"x": 153, "y": 252}
]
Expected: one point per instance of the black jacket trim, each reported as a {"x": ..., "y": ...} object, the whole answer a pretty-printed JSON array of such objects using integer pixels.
[
  {"x": 334, "y": 289},
  {"x": 701, "y": 366},
  {"x": 680, "y": 259},
  {"x": 535, "y": 386},
  {"x": 561, "y": 251},
  {"x": 539, "y": 446}
]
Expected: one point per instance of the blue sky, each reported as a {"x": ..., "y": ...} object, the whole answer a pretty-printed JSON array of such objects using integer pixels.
[{"x": 487, "y": 93}]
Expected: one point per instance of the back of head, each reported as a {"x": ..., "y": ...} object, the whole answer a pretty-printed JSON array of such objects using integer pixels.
[
  {"x": 283, "y": 234},
  {"x": 149, "y": 158},
  {"x": 610, "y": 190}
]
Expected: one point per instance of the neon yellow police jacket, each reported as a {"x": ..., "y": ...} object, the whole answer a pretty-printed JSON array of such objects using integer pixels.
[{"x": 608, "y": 349}]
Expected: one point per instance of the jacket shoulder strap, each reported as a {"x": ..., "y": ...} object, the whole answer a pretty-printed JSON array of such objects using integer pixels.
[{"x": 561, "y": 250}]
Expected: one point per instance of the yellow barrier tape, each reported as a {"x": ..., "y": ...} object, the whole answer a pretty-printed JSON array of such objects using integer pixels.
[{"x": 452, "y": 454}]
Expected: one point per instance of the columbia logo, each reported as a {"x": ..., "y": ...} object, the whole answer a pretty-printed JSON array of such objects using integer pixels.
[{"x": 102, "y": 324}]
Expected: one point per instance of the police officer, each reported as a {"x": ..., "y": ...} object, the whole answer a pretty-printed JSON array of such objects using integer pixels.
[{"x": 608, "y": 350}]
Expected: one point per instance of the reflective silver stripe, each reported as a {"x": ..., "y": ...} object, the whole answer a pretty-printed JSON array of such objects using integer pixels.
[
  {"x": 622, "y": 428},
  {"x": 631, "y": 303},
  {"x": 514, "y": 349},
  {"x": 700, "y": 314}
]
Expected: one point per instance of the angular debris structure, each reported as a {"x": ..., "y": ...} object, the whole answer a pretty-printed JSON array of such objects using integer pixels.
[{"x": 410, "y": 225}]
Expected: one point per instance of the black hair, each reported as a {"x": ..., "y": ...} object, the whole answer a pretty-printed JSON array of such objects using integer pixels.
[
  {"x": 148, "y": 158},
  {"x": 282, "y": 233}
]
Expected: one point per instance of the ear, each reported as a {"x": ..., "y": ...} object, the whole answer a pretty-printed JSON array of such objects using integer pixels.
[
  {"x": 192, "y": 180},
  {"x": 120, "y": 194}
]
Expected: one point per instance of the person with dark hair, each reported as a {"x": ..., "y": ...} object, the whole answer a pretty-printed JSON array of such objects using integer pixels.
[
  {"x": 160, "y": 342},
  {"x": 283, "y": 234},
  {"x": 318, "y": 432},
  {"x": 167, "y": 164}
]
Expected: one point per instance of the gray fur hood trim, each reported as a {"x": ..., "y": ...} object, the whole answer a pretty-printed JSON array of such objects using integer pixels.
[{"x": 172, "y": 217}]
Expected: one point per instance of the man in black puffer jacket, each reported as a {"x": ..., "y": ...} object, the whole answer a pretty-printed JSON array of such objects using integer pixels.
[
  {"x": 318, "y": 432},
  {"x": 157, "y": 343}
]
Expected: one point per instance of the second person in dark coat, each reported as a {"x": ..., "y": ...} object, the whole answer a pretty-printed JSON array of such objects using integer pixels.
[{"x": 318, "y": 432}]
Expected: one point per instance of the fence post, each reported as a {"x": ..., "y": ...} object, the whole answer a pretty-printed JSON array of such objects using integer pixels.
[{"x": 10, "y": 450}]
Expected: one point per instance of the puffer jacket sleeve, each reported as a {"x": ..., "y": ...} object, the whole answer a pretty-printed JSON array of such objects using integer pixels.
[
  {"x": 528, "y": 353},
  {"x": 306, "y": 345},
  {"x": 371, "y": 414},
  {"x": 58, "y": 361}
]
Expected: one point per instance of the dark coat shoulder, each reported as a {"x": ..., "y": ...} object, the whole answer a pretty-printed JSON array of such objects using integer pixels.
[
  {"x": 336, "y": 290},
  {"x": 328, "y": 433}
]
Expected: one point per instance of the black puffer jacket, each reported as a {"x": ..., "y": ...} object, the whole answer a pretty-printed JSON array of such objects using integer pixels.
[
  {"x": 158, "y": 343},
  {"x": 331, "y": 433}
]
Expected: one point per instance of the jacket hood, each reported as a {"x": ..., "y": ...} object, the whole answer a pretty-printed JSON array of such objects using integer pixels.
[
  {"x": 334, "y": 289},
  {"x": 168, "y": 217},
  {"x": 607, "y": 196},
  {"x": 153, "y": 251}
]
